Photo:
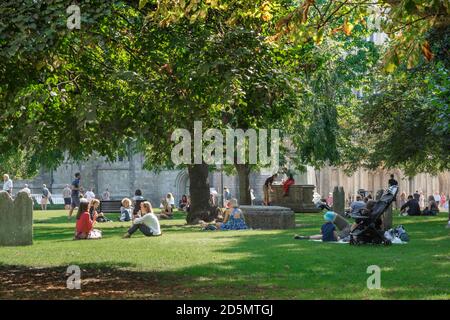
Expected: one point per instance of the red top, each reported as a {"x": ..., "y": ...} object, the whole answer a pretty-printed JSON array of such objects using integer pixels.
[{"x": 84, "y": 224}]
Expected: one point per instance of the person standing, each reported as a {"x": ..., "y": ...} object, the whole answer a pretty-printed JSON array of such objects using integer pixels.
[
  {"x": 267, "y": 189},
  {"x": 90, "y": 195},
  {"x": 66, "y": 195},
  {"x": 75, "y": 201},
  {"x": 437, "y": 198},
  {"x": 226, "y": 196},
  {"x": 392, "y": 181},
  {"x": 106, "y": 195},
  {"x": 45, "y": 197},
  {"x": 7, "y": 184},
  {"x": 287, "y": 184},
  {"x": 443, "y": 200},
  {"x": 252, "y": 197}
]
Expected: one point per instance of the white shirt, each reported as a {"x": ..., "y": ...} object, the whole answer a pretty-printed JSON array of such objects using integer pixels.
[
  {"x": 27, "y": 190},
  {"x": 8, "y": 185},
  {"x": 89, "y": 195},
  {"x": 437, "y": 198},
  {"x": 171, "y": 201},
  {"x": 151, "y": 221}
]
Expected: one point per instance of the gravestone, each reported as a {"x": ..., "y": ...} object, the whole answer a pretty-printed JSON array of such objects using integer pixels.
[
  {"x": 387, "y": 215},
  {"x": 339, "y": 200},
  {"x": 16, "y": 219},
  {"x": 268, "y": 217},
  {"x": 299, "y": 198}
]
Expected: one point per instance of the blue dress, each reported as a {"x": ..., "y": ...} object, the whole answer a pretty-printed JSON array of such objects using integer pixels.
[{"x": 234, "y": 223}]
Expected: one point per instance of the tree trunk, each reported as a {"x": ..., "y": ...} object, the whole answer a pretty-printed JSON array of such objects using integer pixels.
[
  {"x": 199, "y": 191},
  {"x": 243, "y": 171}
]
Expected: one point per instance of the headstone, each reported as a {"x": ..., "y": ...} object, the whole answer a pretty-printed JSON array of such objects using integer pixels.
[
  {"x": 16, "y": 219},
  {"x": 299, "y": 199},
  {"x": 339, "y": 200},
  {"x": 387, "y": 215},
  {"x": 268, "y": 217}
]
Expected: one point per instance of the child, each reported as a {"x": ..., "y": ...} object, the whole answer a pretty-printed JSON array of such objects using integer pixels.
[
  {"x": 85, "y": 225},
  {"x": 328, "y": 230},
  {"x": 148, "y": 224},
  {"x": 125, "y": 210}
]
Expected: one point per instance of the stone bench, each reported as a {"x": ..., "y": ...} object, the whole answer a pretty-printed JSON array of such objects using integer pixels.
[{"x": 268, "y": 217}]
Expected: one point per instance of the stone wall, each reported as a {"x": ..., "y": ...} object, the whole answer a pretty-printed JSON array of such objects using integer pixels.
[
  {"x": 268, "y": 217},
  {"x": 299, "y": 199},
  {"x": 16, "y": 219}
]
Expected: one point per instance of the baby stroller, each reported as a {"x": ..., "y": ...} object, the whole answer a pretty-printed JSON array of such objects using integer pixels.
[{"x": 369, "y": 230}]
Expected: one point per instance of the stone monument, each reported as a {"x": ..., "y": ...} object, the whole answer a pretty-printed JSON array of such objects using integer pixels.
[
  {"x": 299, "y": 199},
  {"x": 268, "y": 217},
  {"x": 387, "y": 215},
  {"x": 16, "y": 219},
  {"x": 339, "y": 200}
]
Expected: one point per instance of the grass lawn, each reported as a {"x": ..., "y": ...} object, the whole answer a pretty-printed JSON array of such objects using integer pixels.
[{"x": 186, "y": 263}]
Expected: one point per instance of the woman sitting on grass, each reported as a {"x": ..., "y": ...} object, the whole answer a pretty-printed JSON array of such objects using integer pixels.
[
  {"x": 125, "y": 210},
  {"x": 93, "y": 206},
  {"x": 166, "y": 209},
  {"x": 432, "y": 209},
  {"x": 233, "y": 219},
  {"x": 85, "y": 225},
  {"x": 146, "y": 222}
]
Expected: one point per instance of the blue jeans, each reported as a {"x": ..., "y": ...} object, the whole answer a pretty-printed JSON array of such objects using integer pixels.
[{"x": 140, "y": 226}]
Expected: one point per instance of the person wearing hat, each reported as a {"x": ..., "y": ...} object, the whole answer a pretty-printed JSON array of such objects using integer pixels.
[
  {"x": 233, "y": 219},
  {"x": 327, "y": 231}
]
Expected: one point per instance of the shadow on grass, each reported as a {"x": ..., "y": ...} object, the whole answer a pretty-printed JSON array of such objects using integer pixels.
[{"x": 257, "y": 266}]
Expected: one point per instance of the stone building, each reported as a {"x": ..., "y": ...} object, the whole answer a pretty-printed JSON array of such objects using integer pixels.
[{"x": 125, "y": 175}]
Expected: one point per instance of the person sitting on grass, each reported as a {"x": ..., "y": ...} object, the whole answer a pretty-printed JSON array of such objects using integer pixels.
[
  {"x": 147, "y": 222},
  {"x": 93, "y": 206},
  {"x": 166, "y": 209},
  {"x": 432, "y": 209},
  {"x": 85, "y": 225},
  {"x": 233, "y": 219},
  {"x": 182, "y": 204},
  {"x": 410, "y": 207},
  {"x": 328, "y": 230},
  {"x": 125, "y": 210}
]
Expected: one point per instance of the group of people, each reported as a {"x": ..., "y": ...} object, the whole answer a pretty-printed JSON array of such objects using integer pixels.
[{"x": 412, "y": 206}]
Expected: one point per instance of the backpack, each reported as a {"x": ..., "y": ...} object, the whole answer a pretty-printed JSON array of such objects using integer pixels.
[{"x": 401, "y": 233}]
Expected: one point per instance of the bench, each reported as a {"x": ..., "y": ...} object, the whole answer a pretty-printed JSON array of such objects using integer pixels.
[{"x": 110, "y": 206}]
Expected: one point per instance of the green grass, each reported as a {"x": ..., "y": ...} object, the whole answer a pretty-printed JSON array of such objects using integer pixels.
[{"x": 188, "y": 263}]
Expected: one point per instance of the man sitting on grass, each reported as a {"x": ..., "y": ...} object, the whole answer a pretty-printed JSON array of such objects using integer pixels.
[
  {"x": 328, "y": 230},
  {"x": 411, "y": 207}
]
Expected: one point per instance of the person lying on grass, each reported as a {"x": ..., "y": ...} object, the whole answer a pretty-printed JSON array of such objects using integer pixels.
[
  {"x": 233, "y": 219},
  {"x": 328, "y": 230},
  {"x": 85, "y": 225},
  {"x": 147, "y": 222}
]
